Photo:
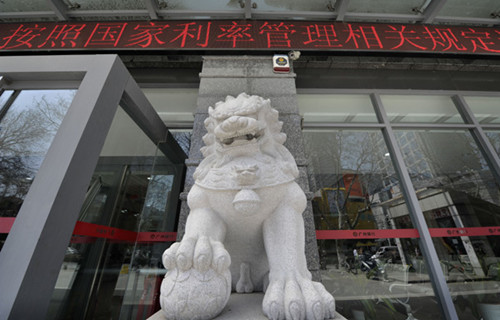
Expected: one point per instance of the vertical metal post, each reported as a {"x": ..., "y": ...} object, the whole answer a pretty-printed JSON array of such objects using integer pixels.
[
  {"x": 417, "y": 217},
  {"x": 34, "y": 250}
]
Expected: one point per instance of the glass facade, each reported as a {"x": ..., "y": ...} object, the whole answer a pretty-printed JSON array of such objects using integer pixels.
[
  {"x": 29, "y": 119},
  {"x": 356, "y": 188},
  {"x": 358, "y": 144}
]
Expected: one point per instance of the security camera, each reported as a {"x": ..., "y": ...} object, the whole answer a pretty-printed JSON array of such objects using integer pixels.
[{"x": 294, "y": 55}]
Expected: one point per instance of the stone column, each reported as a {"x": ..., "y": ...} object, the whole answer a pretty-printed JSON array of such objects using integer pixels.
[{"x": 232, "y": 75}]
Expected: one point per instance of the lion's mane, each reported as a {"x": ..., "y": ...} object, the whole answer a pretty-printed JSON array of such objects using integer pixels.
[{"x": 270, "y": 144}]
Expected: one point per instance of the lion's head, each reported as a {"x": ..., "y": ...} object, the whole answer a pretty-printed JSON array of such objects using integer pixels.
[{"x": 244, "y": 132}]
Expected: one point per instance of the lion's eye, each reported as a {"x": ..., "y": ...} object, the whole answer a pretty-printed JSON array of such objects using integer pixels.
[
  {"x": 249, "y": 136},
  {"x": 228, "y": 141}
]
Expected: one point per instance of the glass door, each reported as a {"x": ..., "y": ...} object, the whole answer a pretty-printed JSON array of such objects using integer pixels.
[{"x": 112, "y": 268}]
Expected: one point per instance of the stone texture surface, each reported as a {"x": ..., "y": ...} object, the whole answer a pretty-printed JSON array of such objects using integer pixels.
[{"x": 240, "y": 307}]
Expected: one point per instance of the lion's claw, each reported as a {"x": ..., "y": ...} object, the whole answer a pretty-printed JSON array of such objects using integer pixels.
[
  {"x": 275, "y": 312},
  {"x": 200, "y": 254},
  {"x": 297, "y": 299}
]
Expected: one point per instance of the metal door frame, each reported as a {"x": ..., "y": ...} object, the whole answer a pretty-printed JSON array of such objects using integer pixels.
[{"x": 34, "y": 250}]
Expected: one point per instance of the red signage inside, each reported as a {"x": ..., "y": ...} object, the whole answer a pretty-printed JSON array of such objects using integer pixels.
[
  {"x": 241, "y": 34},
  {"x": 86, "y": 229}
]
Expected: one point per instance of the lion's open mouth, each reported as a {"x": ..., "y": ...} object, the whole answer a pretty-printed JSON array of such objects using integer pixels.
[{"x": 240, "y": 139}]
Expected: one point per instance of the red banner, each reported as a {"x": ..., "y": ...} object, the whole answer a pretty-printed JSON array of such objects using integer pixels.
[
  {"x": 251, "y": 34},
  {"x": 406, "y": 233},
  {"x": 156, "y": 236},
  {"x": 85, "y": 232},
  {"x": 6, "y": 224},
  {"x": 366, "y": 234},
  {"x": 99, "y": 231}
]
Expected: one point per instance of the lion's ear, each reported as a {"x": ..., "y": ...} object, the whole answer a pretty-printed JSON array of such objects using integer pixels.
[
  {"x": 280, "y": 137},
  {"x": 209, "y": 139},
  {"x": 209, "y": 124}
]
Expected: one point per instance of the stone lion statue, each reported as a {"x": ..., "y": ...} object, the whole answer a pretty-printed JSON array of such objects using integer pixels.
[{"x": 245, "y": 230}]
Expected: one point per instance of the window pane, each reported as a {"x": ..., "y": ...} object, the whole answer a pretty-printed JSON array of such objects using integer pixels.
[
  {"x": 110, "y": 5},
  {"x": 485, "y": 109},
  {"x": 335, "y": 108},
  {"x": 369, "y": 254},
  {"x": 23, "y": 5},
  {"x": 477, "y": 9},
  {"x": 175, "y": 106},
  {"x": 384, "y": 6},
  {"x": 494, "y": 137},
  {"x": 286, "y": 5},
  {"x": 460, "y": 201},
  {"x": 199, "y": 5},
  {"x": 26, "y": 133},
  {"x": 420, "y": 109},
  {"x": 4, "y": 97}
]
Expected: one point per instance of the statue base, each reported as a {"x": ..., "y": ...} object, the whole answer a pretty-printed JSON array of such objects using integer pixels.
[{"x": 241, "y": 306}]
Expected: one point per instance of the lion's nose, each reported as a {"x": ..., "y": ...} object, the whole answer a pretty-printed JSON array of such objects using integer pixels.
[
  {"x": 235, "y": 123},
  {"x": 232, "y": 126}
]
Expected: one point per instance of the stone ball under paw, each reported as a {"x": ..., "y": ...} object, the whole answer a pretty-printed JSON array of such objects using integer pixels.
[{"x": 194, "y": 295}]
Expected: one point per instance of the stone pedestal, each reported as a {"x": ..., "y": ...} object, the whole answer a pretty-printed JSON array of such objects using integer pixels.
[
  {"x": 240, "y": 307},
  {"x": 232, "y": 75}
]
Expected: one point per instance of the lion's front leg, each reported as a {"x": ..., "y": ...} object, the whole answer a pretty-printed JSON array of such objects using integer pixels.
[
  {"x": 198, "y": 281},
  {"x": 201, "y": 247},
  {"x": 291, "y": 293}
]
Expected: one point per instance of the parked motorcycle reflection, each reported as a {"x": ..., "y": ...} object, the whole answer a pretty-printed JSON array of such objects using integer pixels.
[{"x": 372, "y": 267}]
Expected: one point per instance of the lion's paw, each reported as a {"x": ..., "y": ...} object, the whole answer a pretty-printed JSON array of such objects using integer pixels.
[
  {"x": 201, "y": 254},
  {"x": 296, "y": 298},
  {"x": 198, "y": 282}
]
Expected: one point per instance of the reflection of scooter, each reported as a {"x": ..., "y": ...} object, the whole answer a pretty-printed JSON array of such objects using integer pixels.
[{"x": 373, "y": 267}]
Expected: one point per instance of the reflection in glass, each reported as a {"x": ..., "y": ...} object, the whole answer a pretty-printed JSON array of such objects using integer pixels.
[
  {"x": 108, "y": 5},
  {"x": 183, "y": 138},
  {"x": 457, "y": 190},
  {"x": 420, "y": 109},
  {"x": 351, "y": 172},
  {"x": 478, "y": 9},
  {"x": 23, "y": 5},
  {"x": 336, "y": 108},
  {"x": 386, "y": 6},
  {"x": 4, "y": 97},
  {"x": 485, "y": 109},
  {"x": 292, "y": 5},
  {"x": 175, "y": 106},
  {"x": 355, "y": 188},
  {"x": 112, "y": 268},
  {"x": 26, "y": 132},
  {"x": 195, "y": 5}
]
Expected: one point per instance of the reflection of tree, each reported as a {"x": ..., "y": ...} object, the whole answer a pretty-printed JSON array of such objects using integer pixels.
[
  {"x": 348, "y": 167},
  {"x": 452, "y": 160},
  {"x": 347, "y": 162},
  {"x": 14, "y": 184},
  {"x": 25, "y": 134},
  {"x": 183, "y": 138},
  {"x": 155, "y": 203}
]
